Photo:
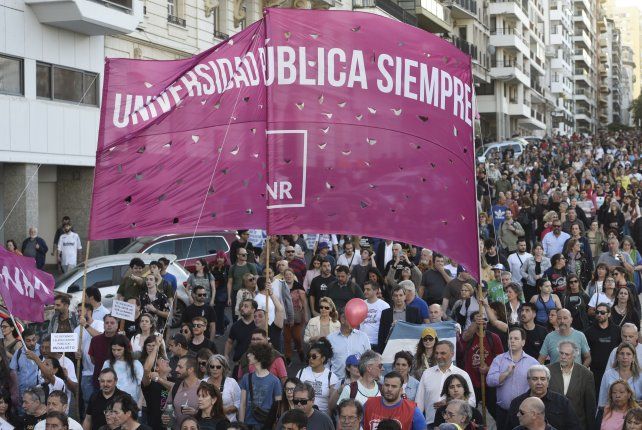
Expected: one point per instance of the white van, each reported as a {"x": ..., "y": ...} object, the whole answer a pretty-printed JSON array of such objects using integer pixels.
[{"x": 490, "y": 149}]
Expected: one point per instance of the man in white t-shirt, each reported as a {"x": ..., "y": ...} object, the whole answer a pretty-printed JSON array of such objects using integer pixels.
[
  {"x": 517, "y": 259},
  {"x": 59, "y": 402},
  {"x": 349, "y": 257},
  {"x": 68, "y": 249},
  {"x": 376, "y": 306}
]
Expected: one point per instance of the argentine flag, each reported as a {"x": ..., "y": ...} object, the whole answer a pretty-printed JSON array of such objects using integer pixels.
[{"x": 405, "y": 336}]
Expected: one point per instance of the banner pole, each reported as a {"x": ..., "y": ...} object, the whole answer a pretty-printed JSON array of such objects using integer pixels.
[
  {"x": 267, "y": 296},
  {"x": 80, "y": 332},
  {"x": 15, "y": 325}
]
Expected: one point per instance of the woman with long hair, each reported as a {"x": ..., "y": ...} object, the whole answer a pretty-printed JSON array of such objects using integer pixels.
[
  {"x": 154, "y": 302},
  {"x": 425, "y": 355},
  {"x": 210, "y": 415},
  {"x": 219, "y": 269},
  {"x": 620, "y": 400},
  {"x": 533, "y": 270},
  {"x": 596, "y": 284},
  {"x": 556, "y": 274},
  {"x": 54, "y": 375},
  {"x": 12, "y": 247},
  {"x": 129, "y": 371},
  {"x": 286, "y": 397},
  {"x": 11, "y": 338},
  {"x": 325, "y": 323},
  {"x": 455, "y": 388},
  {"x": 317, "y": 374},
  {"x": 218, "y": 374},
  {"x": 595, "y": 239},
  {"x": 606, "y": 296},
  {"x": 204, "y": 278},
  {"x": 625, "y": 367},
  {"x": 313, "y": 271},
  {"x": 402, "y": 363},
  {"x": 149, "y": 345},
  {"x": 191, "y": 423},
  {"x": 577, "y": 262},
  {"x": 633, "y": 419},
  {"x": 628, "y": 247},
  {"x": 186, "y": 330},
  {"x": 576, "y": 301},
  {"x": 545, "y": 301},
  {"x": 6, "y": 413},
  {"x": 146, "y": 327},
  {"x": 623, "y": 310},
  {"x": 514, "y": 295},
  {"x": 293, "y": 333},
  {"x": 203, "y": 356}
]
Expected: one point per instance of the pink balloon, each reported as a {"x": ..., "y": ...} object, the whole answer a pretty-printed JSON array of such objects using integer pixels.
[{"x": 356, "y": 312}]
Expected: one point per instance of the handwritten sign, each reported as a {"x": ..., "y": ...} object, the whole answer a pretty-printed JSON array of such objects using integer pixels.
[
  {"x": 123, "y": 310},
  {"x": 64, "y": 342}
]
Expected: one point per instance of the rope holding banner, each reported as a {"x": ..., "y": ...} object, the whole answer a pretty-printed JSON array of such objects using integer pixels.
[{"x": 80, "y": 332}]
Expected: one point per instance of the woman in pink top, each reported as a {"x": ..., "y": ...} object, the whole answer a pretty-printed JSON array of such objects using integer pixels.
[{"x": 621, "y": 400}]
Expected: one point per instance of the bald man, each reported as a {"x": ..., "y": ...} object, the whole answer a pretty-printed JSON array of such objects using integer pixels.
[
  {"x": 564, "y": 332},
  {"x": 532, "y": 415}
]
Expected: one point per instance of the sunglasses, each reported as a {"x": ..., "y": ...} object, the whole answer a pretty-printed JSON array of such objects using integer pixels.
[
  {"x": 202, "y": 363},
  {"x": 289, "y": 252},
  {"x": 602, "y": 313},
  {"x": 242, "y": 255},
  {"x": 427, "y": 338},
  {"x": 327, "y": 308},
  {"x": 185, "y": 331},
  {"x": 198, "y": 325},
  {"x": 573, "y": 281},
  {"x": 201, "y": 295},
  {"x": 313, "y": 356},
  {"x": 300, "y": 401},
  {"x": 215, "y": 366}
]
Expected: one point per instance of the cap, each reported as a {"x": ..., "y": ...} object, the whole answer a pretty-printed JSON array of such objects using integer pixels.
[
  {"x": 352, "y": 360},
  {"x": 429, "y": 331},
  {"x": 240, "y": 232},
  {"x": 324, "y": 245},
  {"x": 499, "y": 266}
]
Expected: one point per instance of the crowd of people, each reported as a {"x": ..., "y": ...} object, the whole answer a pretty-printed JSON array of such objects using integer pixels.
[{"x": 549, "y": 339}]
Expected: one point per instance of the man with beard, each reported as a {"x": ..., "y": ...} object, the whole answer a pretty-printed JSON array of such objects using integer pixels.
[
  {"x": 535, "y": 334},
  {"x": 564, "y": 332},
  {"x": 95, "y": 417},
  {"x": 602, "y": 337},
  {"x": 392, "y": 405}
]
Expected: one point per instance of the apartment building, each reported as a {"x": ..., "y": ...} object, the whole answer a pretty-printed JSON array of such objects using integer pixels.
[
  {"x": 51, "y": 64},
  {"x": 559, "y": 54}
]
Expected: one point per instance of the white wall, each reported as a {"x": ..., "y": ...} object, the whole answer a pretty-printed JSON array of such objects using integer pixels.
[{"x": 45, "y": 131}]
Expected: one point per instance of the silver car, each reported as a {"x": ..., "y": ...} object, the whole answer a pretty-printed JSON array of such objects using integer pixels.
[{"x": 106, "y": 273}]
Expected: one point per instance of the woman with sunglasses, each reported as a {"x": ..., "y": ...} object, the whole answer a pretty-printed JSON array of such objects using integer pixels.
[
  {"x": 186, "y": 330},
  {"x": 576, "y": 301},
  {"x": 210, "y": 415},
  {"x": 623, "y": 310},
  {"x": 425, "y": 355},
  {"x": 218, "y": 374},
  {"x": 325, "y": 323},
  {"x": 456, "y": 388},
  {"x": 318, "y": 375},
  {"x": 202, "y": 356}
]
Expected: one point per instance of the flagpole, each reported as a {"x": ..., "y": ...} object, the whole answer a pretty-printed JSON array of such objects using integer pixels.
[
  {"x": 481, "y": 334},
  {"x": 81, "y": 331},
  {"x": 15, "y": 325},
  {"x": 267, "y": 296}
]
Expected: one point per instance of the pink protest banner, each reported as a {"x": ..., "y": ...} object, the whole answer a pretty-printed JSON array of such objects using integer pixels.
[
  {"x": 357, "y": 123},
  {"x": 25, "y": 290}
]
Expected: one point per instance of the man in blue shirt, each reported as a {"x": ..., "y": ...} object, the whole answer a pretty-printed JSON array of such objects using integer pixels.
[
  {"x": 167, "y": 276},
  {"x": 26, "y": 370},
  {"x": 414, "y": 301}
]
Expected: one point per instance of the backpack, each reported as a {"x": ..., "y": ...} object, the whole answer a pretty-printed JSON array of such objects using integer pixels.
[{"x": 354, "y": 389}]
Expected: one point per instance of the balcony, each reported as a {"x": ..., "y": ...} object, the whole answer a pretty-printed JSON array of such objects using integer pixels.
[
  {"x": 465, "y": 47},
  {"x": 90, "y": 17},
  {"x": 534, "y": 121},
  {"x": 581, "y": 17},
  {"x": 433, "y": 16},
  {"x": 582, "y": 74},
  {"x": 509, "y": 38},
  {"x": 583, "y": 37},
  {"x": 551, "y": 52},
  {"x": 388, "y": 6},
  {"x": 509, "y": 70},
  {"x": 462, "y": 9},
  {"x": 509, "y": 7},
  {"x": 582, "y": 55}
]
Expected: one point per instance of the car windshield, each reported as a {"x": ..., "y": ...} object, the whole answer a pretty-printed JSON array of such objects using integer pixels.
[
  {"x": 480, "y": 151},
  {"x": 63, "y": 277},
  {"x": 132, "y": 248}
]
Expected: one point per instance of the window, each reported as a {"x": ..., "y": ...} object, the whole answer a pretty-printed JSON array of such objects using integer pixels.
[
  {"x": 100, "y": 278},
  {"x": 163, "y": 248},
  {"x": 171, "y": 8},
  {"x": 60, "y": 83},
  {"x": 11, "y": 79}
]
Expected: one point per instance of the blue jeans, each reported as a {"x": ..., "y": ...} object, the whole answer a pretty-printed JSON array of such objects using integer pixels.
[{"x": 87, "y": 389}]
